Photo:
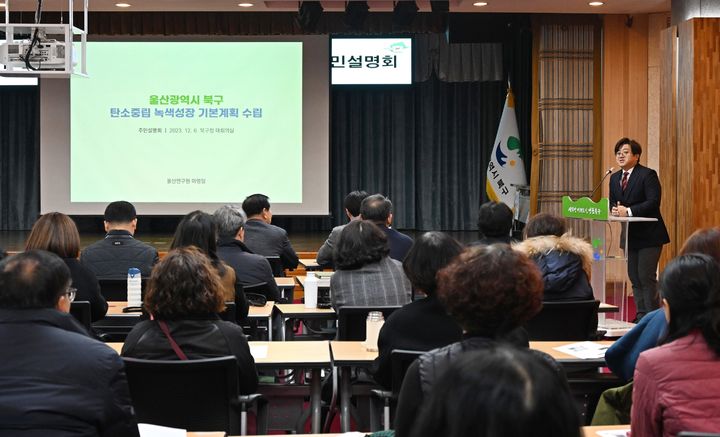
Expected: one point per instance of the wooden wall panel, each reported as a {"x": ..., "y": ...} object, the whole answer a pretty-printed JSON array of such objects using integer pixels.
[
  {"x": 705, "y": 178},
  {"x": 668, "y": 155},
  {"x": 685, "y": 114},
  {"x": 625, "y": 79}
]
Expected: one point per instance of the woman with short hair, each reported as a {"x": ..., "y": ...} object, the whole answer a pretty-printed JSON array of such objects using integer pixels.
[
  {"x": 55, "y": 232},
  {"x": 490, "y": 291},
  {"x": 365, "y": 275},
  {"x": 184, "y": 298},
  {"x": 423, "y": 324}
]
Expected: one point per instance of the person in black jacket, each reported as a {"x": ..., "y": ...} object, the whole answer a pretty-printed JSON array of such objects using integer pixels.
[
  {"x": 249, "y": 268},
  {"x": 264, "y": 238},
  {"x": 500, "y": 391},
  {"x": 114, "y": 255},
  {"x": 635, "y": 192},
  {"x": 495, "y": 220},
  {"x": 184, "y": 294},
  {"x": 54, "y": 379},
  {"x": 491, "y": 291},
  {"x": 379, "y": 210},
  {"x": 57, "y": 233},
  {"x": 424, "y": 324}
]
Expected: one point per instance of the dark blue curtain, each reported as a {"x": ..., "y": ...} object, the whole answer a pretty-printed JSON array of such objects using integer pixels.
[{"x": 19, "y": 156}]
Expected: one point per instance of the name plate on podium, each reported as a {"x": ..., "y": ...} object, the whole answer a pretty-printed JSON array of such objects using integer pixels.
[{"x": 585, "y": 208}]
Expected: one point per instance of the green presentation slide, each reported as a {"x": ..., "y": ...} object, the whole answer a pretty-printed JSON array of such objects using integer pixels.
[{"x": 187, "y": 122}]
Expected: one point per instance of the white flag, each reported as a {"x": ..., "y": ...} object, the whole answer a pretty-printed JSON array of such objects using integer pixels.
[{"x": 506, "y": 165}]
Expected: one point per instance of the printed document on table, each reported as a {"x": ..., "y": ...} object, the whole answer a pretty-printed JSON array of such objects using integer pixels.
[{"x": 585, "y": 350}]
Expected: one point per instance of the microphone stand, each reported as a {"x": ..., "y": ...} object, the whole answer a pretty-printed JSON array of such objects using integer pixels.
[{"x": 601, "y": 181}]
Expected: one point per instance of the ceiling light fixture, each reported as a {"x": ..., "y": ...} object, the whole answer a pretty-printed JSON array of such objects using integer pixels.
[
  {"x": 596, "y": 3},
  {"x": 2, "y": 5},
  {"x": 123, "y": 5},
  {"x": 480, "y": 4},
  {"x": 246, "y": 5}
]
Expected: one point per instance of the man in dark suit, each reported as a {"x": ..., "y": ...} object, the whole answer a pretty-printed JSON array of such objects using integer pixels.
[
  {"x": 378, "y": 209},
  {"x": 263, "y": 238},
  {"x": 352, "y": 211},
  {"x": 249, "y": 268},
  {"x": 635, "y": 192}
]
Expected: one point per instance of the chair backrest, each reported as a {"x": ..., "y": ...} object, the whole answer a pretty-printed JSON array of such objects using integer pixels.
[
  {"x": 80, "y": 309},
  {"x": 564, "y": 321},
  {"x": 230, "y": 313},
  {"x": 400, "y": 360},
  {"x": 195, "y": 395},
  {"x": 276, "y": 265},
  {"x": 351, "y": 320},
  {"x": 256, "y": 294},
  {"x": 116, "y": 289}
]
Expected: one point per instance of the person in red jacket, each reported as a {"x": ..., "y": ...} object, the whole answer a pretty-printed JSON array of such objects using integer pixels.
[{"x": 677, "y": 384}]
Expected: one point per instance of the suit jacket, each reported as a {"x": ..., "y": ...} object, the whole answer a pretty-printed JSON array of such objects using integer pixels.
[
  {"x": 269, "y": 240},
  {"x": 399, "y": 243},
  {"x": 326, "y": 253},
  {"x": 642, "y": 196},
  {"x": 249, "y": 268}
]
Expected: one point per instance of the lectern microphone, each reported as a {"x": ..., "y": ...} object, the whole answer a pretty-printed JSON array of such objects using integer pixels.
[{"x": 601, "y": 181}]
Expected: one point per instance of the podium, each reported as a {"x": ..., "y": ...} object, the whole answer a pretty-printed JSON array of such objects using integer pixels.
[{"x": 609, "y": 239}]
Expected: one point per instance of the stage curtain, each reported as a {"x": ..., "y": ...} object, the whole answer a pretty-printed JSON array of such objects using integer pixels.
[{"x": 19, "y": 157}]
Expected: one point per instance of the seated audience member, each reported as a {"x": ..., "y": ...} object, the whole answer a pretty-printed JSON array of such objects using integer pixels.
[
  {"x": 184, "y": 297},
  {"x": 352, "y": 211},
  {"x": 564, "y": 261},
  {"x": 365, "y": 274},
  {"x": 55, "y": 232},
  {"x": 502, "y": 391},
  {"x": 54, "y": 379},
  {"x": 677, "y": 384},
  {"x": 424, "y": 324},
  {"x": 622, "y": 356},
  {"x": 495, "y": 221},
  {"x": 491, "y": 291},
  {"x": 378, "y": 209},
  {"x": 198, "y": 229},
  {"x": 119, "y": 251},
  {"x": 264, "y": 238},
  {"x": 249, "y": 267}
]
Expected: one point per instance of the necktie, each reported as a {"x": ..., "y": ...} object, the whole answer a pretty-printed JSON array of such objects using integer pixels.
[{"x": 624, "y": 181}]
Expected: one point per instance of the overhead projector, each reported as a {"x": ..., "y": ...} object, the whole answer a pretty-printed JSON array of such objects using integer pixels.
[{"x": 45, "y": 55}]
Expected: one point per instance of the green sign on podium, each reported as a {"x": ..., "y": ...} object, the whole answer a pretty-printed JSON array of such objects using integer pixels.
[{"x": 585, "y": 208}]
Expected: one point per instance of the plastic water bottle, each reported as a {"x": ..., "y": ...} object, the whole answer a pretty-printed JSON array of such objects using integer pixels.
[
  {"x": 373, "y": 324},
  {"x": 134, "y": 287},
  {"x": 311, "y": 290}
]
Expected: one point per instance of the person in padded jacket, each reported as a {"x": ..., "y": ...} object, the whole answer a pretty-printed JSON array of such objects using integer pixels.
[
  {"x": 184, "y": 297},
  {"x": 564, "y": 261}
]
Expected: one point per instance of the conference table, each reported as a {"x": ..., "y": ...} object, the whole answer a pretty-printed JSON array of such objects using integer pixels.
[
  {"x": 588, "y": 431},
  {"x": 293, "y": 311},
  {"x": 312, "y": 355},
  {"x": 349, "y": 354},
  {"x": 310, "y": 264}
]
